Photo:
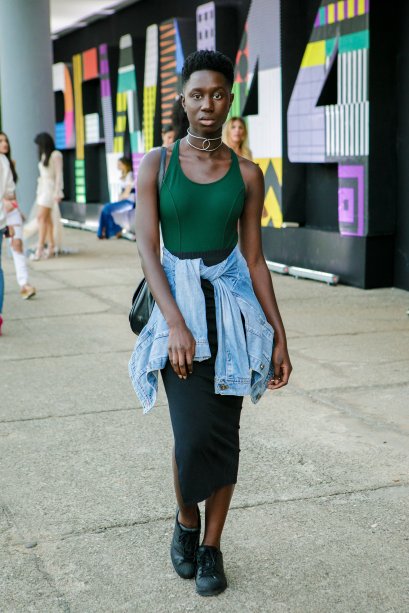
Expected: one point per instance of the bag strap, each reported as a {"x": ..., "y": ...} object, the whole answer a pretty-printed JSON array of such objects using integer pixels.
[{"x": 161, "y": 173}]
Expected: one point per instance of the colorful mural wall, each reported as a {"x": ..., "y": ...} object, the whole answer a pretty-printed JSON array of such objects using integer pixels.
[
  {"x": 338, "y": 132},
  {"x": 335, "y": 133}
]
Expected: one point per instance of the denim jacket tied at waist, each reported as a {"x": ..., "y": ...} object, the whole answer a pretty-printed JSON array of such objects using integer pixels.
[{"x": 243, "y": 362}]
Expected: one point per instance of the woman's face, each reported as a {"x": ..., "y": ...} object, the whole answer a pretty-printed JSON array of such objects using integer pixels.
[
  {"x": 121, "y": 167},
  {"x": 4, "y": 144},
  {"x": 207, "y": 99},
  {"x": 237, "y": 132}
]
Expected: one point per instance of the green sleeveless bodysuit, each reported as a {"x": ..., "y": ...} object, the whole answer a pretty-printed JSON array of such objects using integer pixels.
[{"x": 196, "y": 216}]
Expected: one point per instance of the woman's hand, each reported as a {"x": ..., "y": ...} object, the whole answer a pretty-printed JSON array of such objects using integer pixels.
[
  {"x": 9, "y": 205},
  {"x": 181, "y": 349},
  {"x": 282, "y": 366}
]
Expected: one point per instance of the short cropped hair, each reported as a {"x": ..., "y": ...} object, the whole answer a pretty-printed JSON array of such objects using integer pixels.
[{"x": 208, "y": 60}]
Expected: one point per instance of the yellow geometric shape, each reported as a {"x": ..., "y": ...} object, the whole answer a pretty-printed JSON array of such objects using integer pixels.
[
  {"x": 273, "y": 210},
  {"x": 351, "y": 8},
  {"x": 361, "y": 7},
  {"x": 121, "y": 102},
  {"x": 341, "y": 13},
  {"x": 79, "y": 113},
  {"x": 118, "y": 144},
  {"x": 149, "y": 100},
  {"x": 331, "y": 13},
  {"x": 314, "y": 54},
  {"x": 278, "y": 167}
]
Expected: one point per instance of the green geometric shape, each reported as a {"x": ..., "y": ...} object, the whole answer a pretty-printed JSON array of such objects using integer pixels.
[
  {"x": 354, "y": 41},
  {"x": 133, "y": 138},
  {"x": 329, "y": 46},
  {"x": 127, "y": 81},
  {"x": 322, "y": 16}
]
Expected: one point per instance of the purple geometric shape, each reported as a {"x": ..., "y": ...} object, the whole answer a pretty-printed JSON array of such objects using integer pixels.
[
  {"x": 366, "y": 6},
  {"x": 317, "y": 20},
  {"x": 105, "y": 88},
  {"x": 346, "y": 205},
  {"x": 356, "y": 7},
  {"x": 351, "y": 178}
]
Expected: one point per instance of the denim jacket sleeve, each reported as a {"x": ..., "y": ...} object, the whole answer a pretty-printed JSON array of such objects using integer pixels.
[{"x": 245, "y": 338}]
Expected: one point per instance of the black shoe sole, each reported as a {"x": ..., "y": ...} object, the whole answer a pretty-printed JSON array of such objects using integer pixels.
[{"x": 213, "y": 593}]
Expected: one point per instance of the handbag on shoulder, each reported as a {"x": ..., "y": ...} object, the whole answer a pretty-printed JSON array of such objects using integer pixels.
[{"x": 142, "y": 300}]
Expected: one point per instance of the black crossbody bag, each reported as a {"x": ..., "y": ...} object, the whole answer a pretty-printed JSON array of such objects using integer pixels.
[{"x": 142, "y": 301}]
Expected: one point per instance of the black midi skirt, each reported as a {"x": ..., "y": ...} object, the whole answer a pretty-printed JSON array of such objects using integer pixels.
[{"x": 205, "y": 425}]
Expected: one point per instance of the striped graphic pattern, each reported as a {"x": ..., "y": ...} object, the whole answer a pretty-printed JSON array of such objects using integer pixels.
[
  {"x": 353, "y": 76},
  {"x": 92, "y": 128},
  {"x": 150, "y": 85},
  {"x": 206, "y": 26},
  {"x": 127, "y": 101},
  {"x": 347, "y": 123},
  {"x": 334, "y": 12},
  {"x": 170, "y": 80},
  {"x": 106, "y": 99}
]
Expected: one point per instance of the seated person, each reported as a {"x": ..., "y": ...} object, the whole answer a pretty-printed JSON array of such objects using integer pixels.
[{"x": 108, "y": 226}]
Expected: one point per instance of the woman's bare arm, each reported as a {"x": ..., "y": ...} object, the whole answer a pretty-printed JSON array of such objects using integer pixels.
[
  {"x": 181, "y": 341},
  {"x": 250, "y": 245}
]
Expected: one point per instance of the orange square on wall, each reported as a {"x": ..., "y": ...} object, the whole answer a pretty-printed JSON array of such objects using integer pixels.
[{"x": 90, "y": 64}]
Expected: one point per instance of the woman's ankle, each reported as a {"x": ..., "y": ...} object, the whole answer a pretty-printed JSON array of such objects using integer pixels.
[{"x": 189, "y": 518}]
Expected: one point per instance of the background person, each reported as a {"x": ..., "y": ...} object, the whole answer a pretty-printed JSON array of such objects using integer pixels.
[
  {"x": 116, "y": 215},
  {"x": 15, "y": 225},
  {"x": 235, "y": 136},
  {"x": 49, "y": 195},
  {"x": 7, "y": 189},
  {"x": 168, "y": 135}
]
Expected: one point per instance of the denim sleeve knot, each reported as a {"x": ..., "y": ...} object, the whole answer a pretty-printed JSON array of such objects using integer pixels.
[{"x": 245, "y": 338}]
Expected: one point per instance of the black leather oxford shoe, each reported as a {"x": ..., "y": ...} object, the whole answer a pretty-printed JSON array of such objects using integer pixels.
[
  {"x": 183, "y": 549},
  {"x": 210, "y": 577}
]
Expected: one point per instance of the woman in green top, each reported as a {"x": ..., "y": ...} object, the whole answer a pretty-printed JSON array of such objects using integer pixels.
[{"x": 210, "y": 199}]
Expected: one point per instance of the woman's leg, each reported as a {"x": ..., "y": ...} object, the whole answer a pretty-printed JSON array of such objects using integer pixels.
[
  {"x": 111, "y": 228},
  {"x": 187, "y": 513},
  {"x": 44, "y": 214},
  {"x": 50, "y": 235},
  {"x": 20, "y": 264},
  {"x": 1, "y": 281},
  {"x": 217, "y": 507},
  {"x": 101, "y": 233}
]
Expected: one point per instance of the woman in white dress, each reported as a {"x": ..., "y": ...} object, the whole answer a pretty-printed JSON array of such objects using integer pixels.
[
  {"x": 14, "y": 220},
  {"x": 49, "y": 192}
]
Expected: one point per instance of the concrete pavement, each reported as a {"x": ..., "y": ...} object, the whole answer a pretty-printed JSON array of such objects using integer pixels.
[{"x": 319, "y": 520}]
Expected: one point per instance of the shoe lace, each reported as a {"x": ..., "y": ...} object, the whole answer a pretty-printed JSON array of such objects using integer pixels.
[
  {"x": 207, "y": 561},
  {"x": 188, "y": 540}
]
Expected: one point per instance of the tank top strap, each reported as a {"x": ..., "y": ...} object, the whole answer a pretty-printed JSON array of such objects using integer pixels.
[{"x": 174, "y": 163}]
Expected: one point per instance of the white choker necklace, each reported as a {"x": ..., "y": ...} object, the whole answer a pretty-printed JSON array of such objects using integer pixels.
[{"x": 206, "y": 142}]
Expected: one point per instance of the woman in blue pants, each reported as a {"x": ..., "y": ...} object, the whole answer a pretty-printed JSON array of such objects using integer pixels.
[{"x": 107, "y": 225}]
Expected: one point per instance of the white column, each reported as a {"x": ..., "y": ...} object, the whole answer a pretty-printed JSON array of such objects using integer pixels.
[{"x": 27, "y": 98}]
